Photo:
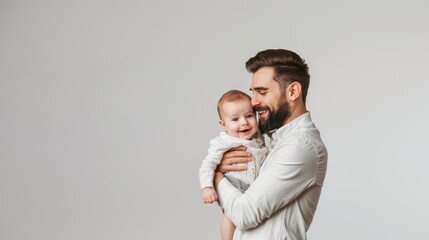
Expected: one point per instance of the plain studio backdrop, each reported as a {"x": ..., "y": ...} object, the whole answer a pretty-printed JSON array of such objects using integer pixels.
[{"x": 107, "y": 107}]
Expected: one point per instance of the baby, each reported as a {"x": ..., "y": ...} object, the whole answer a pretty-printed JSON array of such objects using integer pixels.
[{"x": 238, "y": 119}]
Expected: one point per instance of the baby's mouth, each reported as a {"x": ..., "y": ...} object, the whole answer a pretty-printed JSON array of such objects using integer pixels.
[{"x": 245, "y": 131}]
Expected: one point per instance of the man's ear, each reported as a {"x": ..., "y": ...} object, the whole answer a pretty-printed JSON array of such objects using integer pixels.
[
  {"x": 222, "y": 124},
  {"x": 293, "y": 91}
]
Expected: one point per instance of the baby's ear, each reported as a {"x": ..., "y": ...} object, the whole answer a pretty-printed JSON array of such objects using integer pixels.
[{"x": 222, "y": 124}]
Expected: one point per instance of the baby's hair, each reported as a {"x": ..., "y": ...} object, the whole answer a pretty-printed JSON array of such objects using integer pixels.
[{"x": 231, "y": 96}]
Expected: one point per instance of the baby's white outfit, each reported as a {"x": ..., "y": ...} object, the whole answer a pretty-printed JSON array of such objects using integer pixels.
[{"x": 240, "y": 179}]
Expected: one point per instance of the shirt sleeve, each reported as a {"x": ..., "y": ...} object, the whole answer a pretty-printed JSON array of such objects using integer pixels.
[{"x": 290, "y": 170}]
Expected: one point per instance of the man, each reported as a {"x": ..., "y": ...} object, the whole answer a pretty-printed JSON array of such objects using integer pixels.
[{"x": 281, "y": 203}]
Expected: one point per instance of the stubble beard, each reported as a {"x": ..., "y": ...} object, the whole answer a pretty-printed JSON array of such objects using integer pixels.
[{"x": 275, "y": 119}]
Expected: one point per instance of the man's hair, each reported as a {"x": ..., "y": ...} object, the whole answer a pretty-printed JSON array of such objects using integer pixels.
[
  {"x": 231, "y": 96},
  {"x": 288, "y": 66}
]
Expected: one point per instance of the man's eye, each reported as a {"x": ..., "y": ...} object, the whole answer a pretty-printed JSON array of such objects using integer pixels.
[{"x": 262, "y": 92}]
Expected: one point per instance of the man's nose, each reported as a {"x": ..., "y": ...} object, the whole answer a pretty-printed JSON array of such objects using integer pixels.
[{"x": 255, "y": 101}]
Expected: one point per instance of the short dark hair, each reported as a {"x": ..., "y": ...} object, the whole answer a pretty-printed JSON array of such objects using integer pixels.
[
  {"x": 288, "y": 66},
  {"x": 231, "y": 96}
]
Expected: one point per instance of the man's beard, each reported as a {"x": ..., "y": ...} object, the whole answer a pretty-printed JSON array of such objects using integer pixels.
[{"x": 275, "y": 119}]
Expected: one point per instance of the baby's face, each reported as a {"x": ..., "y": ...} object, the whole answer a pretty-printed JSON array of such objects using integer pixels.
[{"x": 239, "y": 119}]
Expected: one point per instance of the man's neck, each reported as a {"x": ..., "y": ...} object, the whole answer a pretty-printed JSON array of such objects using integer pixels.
[{"x": 295, "y": 114}]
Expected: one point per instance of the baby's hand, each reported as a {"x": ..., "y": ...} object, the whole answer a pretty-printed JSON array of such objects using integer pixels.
[{"x": 209, "y": 195}]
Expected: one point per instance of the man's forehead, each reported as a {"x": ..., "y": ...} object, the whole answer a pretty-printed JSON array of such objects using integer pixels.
[
  {"x": 262, "y": 84},
  {"x": 263, "y": 78}
]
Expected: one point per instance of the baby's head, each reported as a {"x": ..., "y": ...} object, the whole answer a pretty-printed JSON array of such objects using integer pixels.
[{"x": 236, "y": 114}]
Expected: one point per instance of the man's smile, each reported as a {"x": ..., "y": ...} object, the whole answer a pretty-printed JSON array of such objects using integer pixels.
[{"x": 262, "y": 111}]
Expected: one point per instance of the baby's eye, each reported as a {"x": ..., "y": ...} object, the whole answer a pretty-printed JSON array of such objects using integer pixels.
[
  {"x": 249, "y": 115},
  {"x": 234, "y": 119}
]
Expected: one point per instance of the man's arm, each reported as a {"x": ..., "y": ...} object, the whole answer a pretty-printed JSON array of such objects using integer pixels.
[{"x": 289, "y": 172}]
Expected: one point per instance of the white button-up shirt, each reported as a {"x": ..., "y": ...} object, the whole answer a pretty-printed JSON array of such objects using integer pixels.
[{"x": 281, "y": 202}]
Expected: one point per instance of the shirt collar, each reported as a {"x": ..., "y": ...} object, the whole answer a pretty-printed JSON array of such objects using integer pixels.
[{"x": 281, "y": 132}]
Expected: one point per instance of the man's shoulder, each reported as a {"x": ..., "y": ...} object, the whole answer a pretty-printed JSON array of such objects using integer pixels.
[{"x": 306, "y": 138}]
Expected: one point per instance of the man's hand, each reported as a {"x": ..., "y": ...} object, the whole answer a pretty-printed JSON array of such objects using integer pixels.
[
  {"x": 228, "y": 163},
  {"x": 232, "y": 157}
]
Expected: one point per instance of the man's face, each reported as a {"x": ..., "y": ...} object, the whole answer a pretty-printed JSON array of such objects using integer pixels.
[{"x": 268, "y": 100}]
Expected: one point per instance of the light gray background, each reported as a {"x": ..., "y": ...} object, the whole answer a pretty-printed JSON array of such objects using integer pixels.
[{"x": 107, "y": 108}]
